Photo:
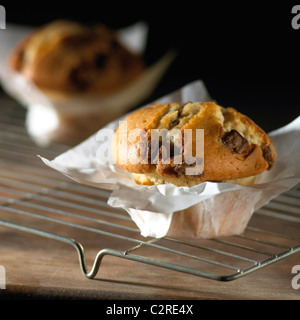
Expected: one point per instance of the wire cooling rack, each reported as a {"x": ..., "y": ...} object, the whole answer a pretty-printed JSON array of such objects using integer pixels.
[{"x": 37, "y": 200}]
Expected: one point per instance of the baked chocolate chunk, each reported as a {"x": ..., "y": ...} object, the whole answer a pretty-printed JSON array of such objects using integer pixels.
[{"x": 235, "y": 142}]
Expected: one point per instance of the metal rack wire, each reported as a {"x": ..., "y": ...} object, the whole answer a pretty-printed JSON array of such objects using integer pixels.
[{"x": 32, "y": 195}]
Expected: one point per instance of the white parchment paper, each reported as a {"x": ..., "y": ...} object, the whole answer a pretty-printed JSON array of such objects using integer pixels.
[{"x": 158, "y": 209}]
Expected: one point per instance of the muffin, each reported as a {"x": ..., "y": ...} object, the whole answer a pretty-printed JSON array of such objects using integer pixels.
[
  {"x": 69, "y": 58},
  {"x": 230, "y": 148},
  {"x": 234, "y": 148},
  {"x": 78, "y": 69}
]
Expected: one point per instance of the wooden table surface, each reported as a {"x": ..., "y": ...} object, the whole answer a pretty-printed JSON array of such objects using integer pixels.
[
  {"x": 42, "y": 268},
  {"x": 39, "y": 268}
]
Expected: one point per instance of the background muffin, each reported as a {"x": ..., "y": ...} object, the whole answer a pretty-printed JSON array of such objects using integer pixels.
[
  {"x": 76, "y": 78},
  {"x": 70, "y": 58}
]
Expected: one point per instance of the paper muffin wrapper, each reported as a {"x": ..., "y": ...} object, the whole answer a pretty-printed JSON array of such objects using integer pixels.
[
  {"x": 210, "y": 209},
  {"x": 221, "y": 215}
]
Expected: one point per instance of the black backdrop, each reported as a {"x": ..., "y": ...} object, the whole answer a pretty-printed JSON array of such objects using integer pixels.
[{"x": 246, "y": 53}]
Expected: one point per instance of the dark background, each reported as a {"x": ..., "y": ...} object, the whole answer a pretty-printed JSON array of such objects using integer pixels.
[{"x": 246, "y": 53}]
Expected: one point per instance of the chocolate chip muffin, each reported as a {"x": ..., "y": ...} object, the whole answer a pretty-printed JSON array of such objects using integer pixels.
[
  {"x": 67, "y": 57},
  {"x": 82, "y": 71},
  {"x": 233, "y": 148}
]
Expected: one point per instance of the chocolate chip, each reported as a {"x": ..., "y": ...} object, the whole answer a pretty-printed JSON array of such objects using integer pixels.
[
  {"x": 235, "y": 142},
  {"x": 170, "y": 171},
  {"x": 174, "y": 123},
  {"x": 268, "y": 155},
  {"x": 80, "y": 77},
  {"x": 100, "y": 60}
]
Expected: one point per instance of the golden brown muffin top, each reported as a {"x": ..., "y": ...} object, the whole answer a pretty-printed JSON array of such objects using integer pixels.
[{"x": 234, "y": 146}]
